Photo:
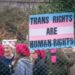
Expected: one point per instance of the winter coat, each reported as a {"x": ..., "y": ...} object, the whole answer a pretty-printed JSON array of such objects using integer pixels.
[
  {"x": 40, "y": 68},
  {"x": 23, "y": 67},
  {"x": 7, "y": 62},
  {"x": 4, "y": 70}
]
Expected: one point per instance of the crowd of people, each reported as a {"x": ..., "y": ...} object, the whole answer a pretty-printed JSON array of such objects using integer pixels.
[{"x": 21, "y": 61}]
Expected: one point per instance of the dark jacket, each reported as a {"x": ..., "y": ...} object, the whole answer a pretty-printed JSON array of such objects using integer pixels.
[
  {"x": 40, "y": 68},
  {"x": 4, "y": 70},
  {"x": 7, "y": 62}
]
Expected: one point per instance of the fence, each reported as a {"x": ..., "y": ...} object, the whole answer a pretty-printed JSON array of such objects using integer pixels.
[
  {"x": 45, "y": 66},
  {"x": 63, "y": 61}
]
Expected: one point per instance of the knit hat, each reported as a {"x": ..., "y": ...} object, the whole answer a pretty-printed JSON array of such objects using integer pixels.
[
  {"x": 41, "y": 53},
  {"x": 1, "y": 50},
  {"x": 22, "y": 49},
  {"x": 11, "y": 43},
  {"x": 53, "y": 50}
]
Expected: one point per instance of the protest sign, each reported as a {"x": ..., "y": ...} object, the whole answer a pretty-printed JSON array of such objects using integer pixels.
[{"x": 48, "y": 31}]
